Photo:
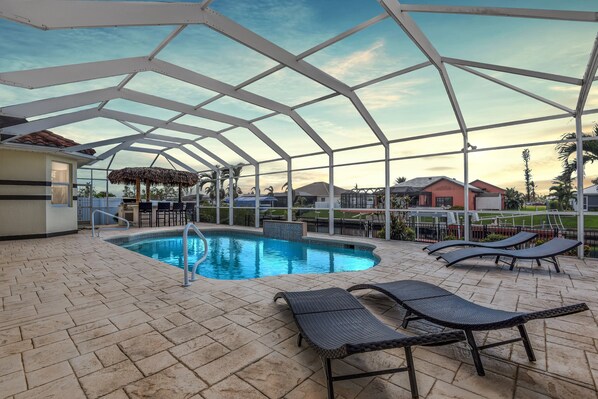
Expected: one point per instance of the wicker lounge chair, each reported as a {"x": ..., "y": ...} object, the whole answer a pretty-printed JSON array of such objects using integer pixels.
[
  {"x": 512, "y": 242},
  {"x": 336, "y": 325},
  {"x": 439, "y": 306},
  {"x": 547, "y": 252}
]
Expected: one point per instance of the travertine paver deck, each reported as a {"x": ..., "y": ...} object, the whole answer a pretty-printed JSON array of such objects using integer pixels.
[{"x": 83, "y": 318}]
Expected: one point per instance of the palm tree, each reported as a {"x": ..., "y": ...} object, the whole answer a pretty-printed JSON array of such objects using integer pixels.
[
  {"x": 209, "y": 179},
  {"x": 563, "y": 192},
  {"x": 285, "y": 187},
  {"x": 513, "y": 198},
  {"x": 400, "y": 179},
  {"x": 269, "y": 191},
  {"x": 568, "y": 151}
]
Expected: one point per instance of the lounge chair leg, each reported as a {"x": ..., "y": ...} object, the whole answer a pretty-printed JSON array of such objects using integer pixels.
[
  {"x": 556, "y": 264},
  {"x": 328, "y": 373},
  {"x": 299, "y": 339},
  {"x": 538, "y": 262},
  {"x": 526, "y": 343},
  {"x": 406, "y": 319},
  {"x": 411, "y": 372},
  {"x": 477, "y": 361},
  {"x": 497, "y": 259},
  {"x": 513, "y": 263}
]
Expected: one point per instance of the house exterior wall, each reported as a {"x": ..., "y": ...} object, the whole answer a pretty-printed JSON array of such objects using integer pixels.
[
  {"x": 25, "y": 193},
  {"x": 489, "y": 188},
  {"x": 445, "y": 188}
]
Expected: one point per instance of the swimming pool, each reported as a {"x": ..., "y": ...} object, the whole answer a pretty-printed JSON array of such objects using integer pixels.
[{"x": 238, "y": 256}]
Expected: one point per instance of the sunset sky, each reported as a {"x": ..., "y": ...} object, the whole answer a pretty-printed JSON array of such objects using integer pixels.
[{"x": 409, "y": 105}]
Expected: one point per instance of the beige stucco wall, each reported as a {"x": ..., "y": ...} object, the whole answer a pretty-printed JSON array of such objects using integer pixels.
[{"x": 20, "y": 217}]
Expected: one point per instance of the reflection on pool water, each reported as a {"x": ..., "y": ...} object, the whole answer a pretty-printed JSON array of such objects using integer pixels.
[{"x": 237, "y": 256}]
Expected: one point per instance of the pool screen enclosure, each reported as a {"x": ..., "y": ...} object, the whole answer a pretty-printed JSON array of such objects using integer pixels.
[{"x": 163, "y": 138}]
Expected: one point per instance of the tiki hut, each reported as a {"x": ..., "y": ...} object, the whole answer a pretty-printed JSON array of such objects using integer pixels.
[{"x": 152, "y": 176}]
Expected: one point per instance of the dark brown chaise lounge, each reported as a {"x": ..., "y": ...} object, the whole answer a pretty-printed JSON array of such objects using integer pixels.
[
  {"x": 547, "y": 252},
  {"x": 511, "y": 242},
  {"x": 336, "y": 325},
  {"x": 435, "y": 304}
]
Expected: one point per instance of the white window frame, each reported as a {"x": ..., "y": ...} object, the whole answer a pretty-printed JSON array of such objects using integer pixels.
[{"x": 68, "y": 185}]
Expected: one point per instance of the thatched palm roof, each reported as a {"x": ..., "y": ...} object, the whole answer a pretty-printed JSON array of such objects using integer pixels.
[{"x": 153, "y": 176}]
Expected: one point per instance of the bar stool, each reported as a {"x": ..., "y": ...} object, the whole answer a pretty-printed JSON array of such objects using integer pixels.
[
  {"x": 189, "y": 212},
  {"x": 177, "y": 213},
  {"x": 144, "y": 210},
  {"x": 161, "y": 213}
]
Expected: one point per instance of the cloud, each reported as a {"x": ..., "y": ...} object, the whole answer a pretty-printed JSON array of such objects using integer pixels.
[
  {"x": 390, "y": 95},
  {"x": 358, "y": 60}
]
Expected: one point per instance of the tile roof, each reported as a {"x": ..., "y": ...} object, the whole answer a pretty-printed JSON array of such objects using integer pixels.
[{"x": 45, "y": 138}]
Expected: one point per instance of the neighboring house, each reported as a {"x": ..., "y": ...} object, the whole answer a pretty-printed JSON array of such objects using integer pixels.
[
  {"x": 493, "y": 197},
  {"x": 590, "y": 198},
  {"x": 38, "y": 195},
  {"x": 431, "y": 191},
  {"x": 316, "y": 195}
]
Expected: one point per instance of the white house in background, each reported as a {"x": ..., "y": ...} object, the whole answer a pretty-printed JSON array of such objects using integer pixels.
[
  {"x": 316, "y": 195},
  {"x": 590, "y": 198}
]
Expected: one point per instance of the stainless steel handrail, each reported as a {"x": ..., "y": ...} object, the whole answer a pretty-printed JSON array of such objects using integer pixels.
[
  {"x": 93, "y": 224},
  {"x": 186, "y": 254}
]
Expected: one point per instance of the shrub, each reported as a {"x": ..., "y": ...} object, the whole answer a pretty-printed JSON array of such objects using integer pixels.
[
  {"x": 456, "y": 208},
  {"x": 494, "y": 237}
]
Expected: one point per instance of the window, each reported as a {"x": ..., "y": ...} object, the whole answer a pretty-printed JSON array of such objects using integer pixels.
[
  {"x": 444, "y": 201},
  {"x": 61, "y": 184}
]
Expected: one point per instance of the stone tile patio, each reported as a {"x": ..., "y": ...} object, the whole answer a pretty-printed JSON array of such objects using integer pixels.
[{"x": 84, "y": 318}]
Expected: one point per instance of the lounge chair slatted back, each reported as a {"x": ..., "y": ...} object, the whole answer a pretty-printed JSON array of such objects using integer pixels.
[
  {"x": 435, "y": 304},
  {"x": 511, "y": 242},
  {"x": 547, "y": 251},
  {"x": 336, "y": 325}
]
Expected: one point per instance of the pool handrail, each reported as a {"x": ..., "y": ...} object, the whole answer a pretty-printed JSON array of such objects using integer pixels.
[
  {"x": 186, "y": 254},
  {"x": 93, "y": 224}
]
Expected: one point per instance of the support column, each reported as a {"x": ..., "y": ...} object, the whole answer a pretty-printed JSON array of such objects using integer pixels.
[
  {"x": 466, "y": 234},
  {"x": 289, "y": 191},
  {"x": 257, "y": 195},
  {"x": 196, "y": 216},
  {"x": 580, "y": 210},
  {"x": 331, "y": 194},
  {"x": 387, "y": 192},
  {"x": 218, "y": 196},
  {"x": 231, "y": 196}
]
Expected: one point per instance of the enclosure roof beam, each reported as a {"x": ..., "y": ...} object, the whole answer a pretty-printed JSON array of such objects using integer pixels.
[
  {"x": 514, "y": 71},
  {"x": 254, "y": 41},
  {"x": 102, "y": 143},
  {"x": 517, "y": 89},
  {"x": 68, "y": 14},
  {"x": 393, "y": 8},
  {"x": 165, "y": 155},
  {"x": 564, "y": 15},
  {"x": 587, "y": 79},
  {"x": 196, "y": 157},
  {"x": 55, "y": 104}
]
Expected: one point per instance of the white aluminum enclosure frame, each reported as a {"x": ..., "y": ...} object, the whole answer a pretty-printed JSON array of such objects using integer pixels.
[{"x": 76, "y": 14}]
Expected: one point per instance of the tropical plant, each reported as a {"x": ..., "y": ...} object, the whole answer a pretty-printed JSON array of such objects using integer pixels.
[
  {"x": 399, "y": 230},
  {"x": 568, "y": 151},
  {"x": 285, "y": 187},
  {"x": 562, "y": 191},
  {"x": 400, "y": 179},
  {"x": 128, "y": 192},
  {"x": 527, "y": 174},
  {"x": 86, "y": 191},
  {"x": 269, "y": 191},
  {"x": 513, "y": 199},
  {"x": 300, "y": 202},
  {"x": 207, "y": 181}
]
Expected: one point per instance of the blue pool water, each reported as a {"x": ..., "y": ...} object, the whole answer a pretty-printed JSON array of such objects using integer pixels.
[{"x": 242, "y": 256}]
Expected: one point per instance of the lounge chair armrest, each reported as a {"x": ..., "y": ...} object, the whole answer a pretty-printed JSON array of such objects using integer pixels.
[{"x": 556, "y": 312}]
